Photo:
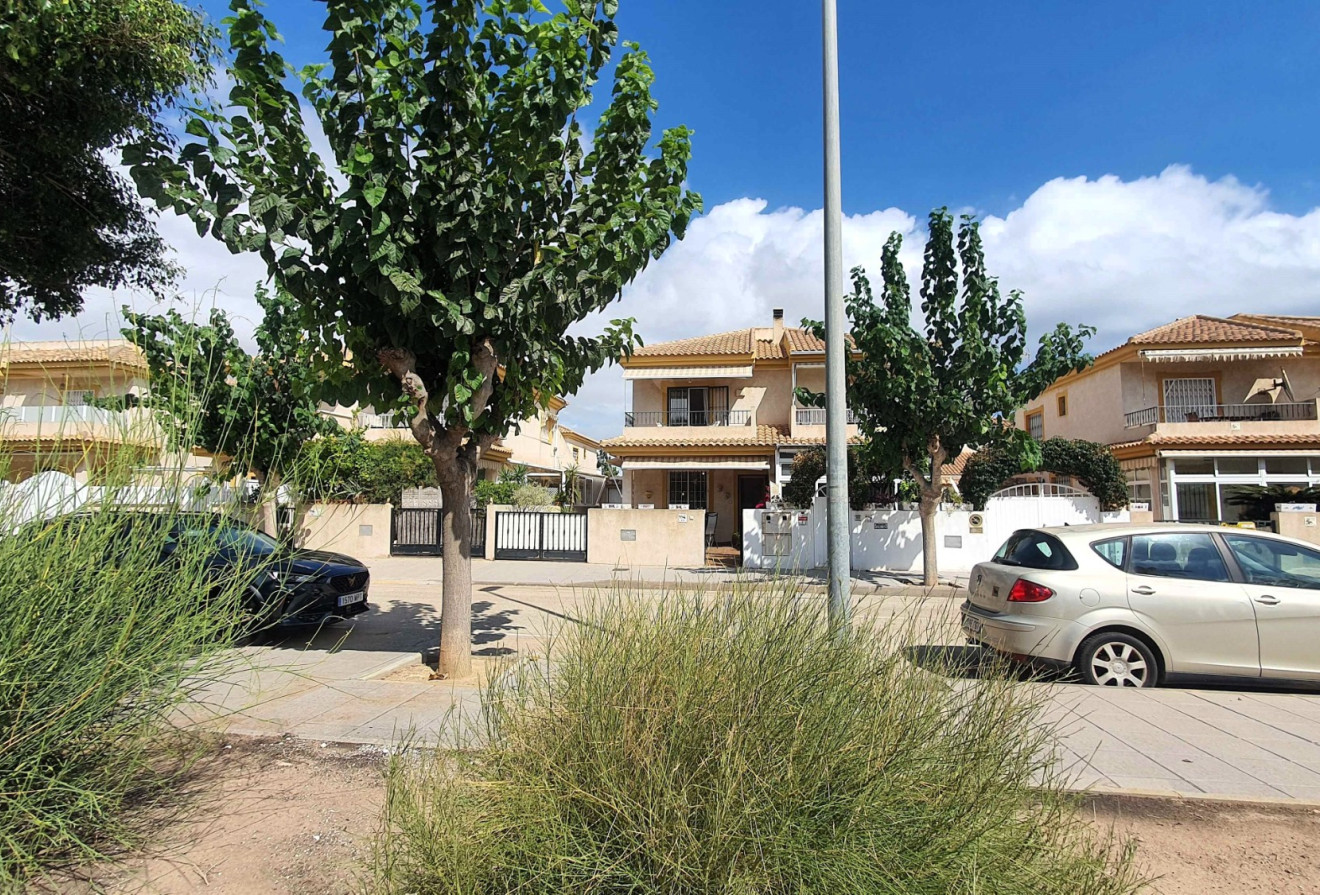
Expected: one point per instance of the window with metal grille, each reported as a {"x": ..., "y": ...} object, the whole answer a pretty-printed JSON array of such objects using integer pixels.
[
  {"x": 687, "y": 487},
  {"x": 1036, "y": 425},
  {"x": 1189, "y": 399}
]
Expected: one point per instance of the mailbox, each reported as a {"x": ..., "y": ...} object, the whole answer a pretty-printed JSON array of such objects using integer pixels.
[{"x": 777, "y": 533}]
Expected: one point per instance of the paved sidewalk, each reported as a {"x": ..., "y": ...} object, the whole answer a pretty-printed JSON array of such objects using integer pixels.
[
  {"x": 425, "y": 570},
  {"x": 1255, "y": 743}
]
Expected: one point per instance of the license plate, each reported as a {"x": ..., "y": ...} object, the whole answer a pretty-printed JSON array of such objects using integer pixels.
[
  {"x": 350, "y": 599},
  {"x": 974, "y": 625}
]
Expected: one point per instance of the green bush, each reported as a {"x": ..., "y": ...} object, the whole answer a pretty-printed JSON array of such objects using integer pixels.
[
  {"x": 488, "y": 492},
  {"x": 732, "y": 745},
  {"x": 864, "y": 484},
  {"x": 100, "y": 644},
  {"x": 347, "y": 468},
  {"x": 1091, "y": 463},
  {"x": 527, "y": 496}
]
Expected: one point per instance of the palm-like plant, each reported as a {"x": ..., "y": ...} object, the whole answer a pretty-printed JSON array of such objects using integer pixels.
[{"x": 1258, "y": 501}]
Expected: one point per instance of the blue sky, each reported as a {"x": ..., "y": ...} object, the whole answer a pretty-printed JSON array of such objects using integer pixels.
[
  {"x": 1131, "y": 162},
  {"x": 971, "y": 103}
]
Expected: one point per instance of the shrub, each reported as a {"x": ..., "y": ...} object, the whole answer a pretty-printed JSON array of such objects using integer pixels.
[
  {"x": 526, "y": 496},
  {"x": 734, "y": 745},
  {"x": 348, "y": 468},
  {"x": 864, "y": 484},
  {"x": 1091, "y": 463},
  {"x": 488, "y": 492},
  {"x": 101, "y": 642}
]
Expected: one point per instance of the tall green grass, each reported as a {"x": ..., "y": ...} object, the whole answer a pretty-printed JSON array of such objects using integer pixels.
[
  {"x": 100, "y": 642},
  {"x": 731, "y": 745}
]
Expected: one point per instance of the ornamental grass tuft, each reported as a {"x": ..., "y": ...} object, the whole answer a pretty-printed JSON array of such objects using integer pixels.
[{"x": 731, "y": 744}]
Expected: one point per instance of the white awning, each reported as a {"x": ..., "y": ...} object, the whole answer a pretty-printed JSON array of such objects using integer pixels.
[
  {"x": 754, "y": 464},
  {"x": 688, "y": 372},
  {"x": 1220, "y": 354}
]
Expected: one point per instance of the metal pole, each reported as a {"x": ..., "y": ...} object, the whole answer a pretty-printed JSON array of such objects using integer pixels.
[{"x": 836, "y": 328}]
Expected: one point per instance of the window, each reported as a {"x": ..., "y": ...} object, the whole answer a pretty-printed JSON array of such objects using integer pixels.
[
  {"x": 1272, "y": 563},
  {"x": 1035, "y": 550},
  {"x": 705, "y": 406},
  {"x": 1191, "y": 555},
  {"x": 1063, "y": 405},
  {"x": 576, "y": 454},
  {"x": 1113, "y": 551},
  {"x": 1036, "y": 424},
  {"x": 1198, "y": 502},
  {"x": 1285, "y": 466},
  {"x": 688, "y": 487},
  {"x": 1244, "y": 466},
  {"x": 1189, "y": 400}
]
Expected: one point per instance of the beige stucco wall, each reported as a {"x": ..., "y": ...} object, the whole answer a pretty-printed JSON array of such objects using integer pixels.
[
  {"x": 1302, "y": 526},
  {"x": 767, "y": 395},
  {"x": 673, "y": 538},
  {"x": 1095, "y": 408},
  {"x": 359, "y": 530},
  {"x": 721, "y": 496}
]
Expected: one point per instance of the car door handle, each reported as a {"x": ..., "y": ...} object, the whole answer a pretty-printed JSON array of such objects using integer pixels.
[
  {"x": 1268, "y": 600},
  {"x": 1143, "y": 590}
]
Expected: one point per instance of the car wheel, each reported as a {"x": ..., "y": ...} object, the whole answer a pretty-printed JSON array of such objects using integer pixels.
[{"x": 1117, "y": 660}]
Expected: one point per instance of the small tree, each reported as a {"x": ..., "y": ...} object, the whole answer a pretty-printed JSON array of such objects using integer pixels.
[
  {"x": 80, "y": 80},
  {"x": 208, "y": 393},
  {"x": 809, "y": 466},
  {"x": 469, "y": 227},
  {"x": 920, "y": 398}
]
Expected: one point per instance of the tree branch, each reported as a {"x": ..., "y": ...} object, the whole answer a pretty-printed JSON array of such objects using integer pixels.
[{"x": 402, "y": 363}]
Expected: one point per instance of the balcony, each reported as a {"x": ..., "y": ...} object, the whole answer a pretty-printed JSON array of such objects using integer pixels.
[
  {"x": 686, "y": 418},
  {"x": 815, "y": 416},
  {"x": 75, "y": 421},
  {"x": 1297, "y": 411}
]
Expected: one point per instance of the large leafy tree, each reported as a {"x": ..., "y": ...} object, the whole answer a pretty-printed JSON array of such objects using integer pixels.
[
  {"x": 80, "y": 80},
  {"x": 459, "y": 226},
  {"x": 921, "y": 397},
  {"x": 207, "y": 392}
]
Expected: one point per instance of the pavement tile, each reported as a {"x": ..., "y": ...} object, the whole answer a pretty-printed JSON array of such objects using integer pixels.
[
  {"x": 1305, "y": 793},
  {"x": 1156, "y": 784},
  {"x": 1114, "y": 764}
]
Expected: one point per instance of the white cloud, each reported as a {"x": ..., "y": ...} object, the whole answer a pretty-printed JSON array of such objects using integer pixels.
[{"x": 1121, "y": 255}]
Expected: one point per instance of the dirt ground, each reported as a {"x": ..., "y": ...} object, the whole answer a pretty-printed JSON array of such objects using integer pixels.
[{"x": 282, "y": 816}]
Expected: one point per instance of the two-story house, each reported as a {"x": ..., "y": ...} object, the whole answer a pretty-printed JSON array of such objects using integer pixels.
[
  {"x": 48, "y": 420},
  {"x": 714, "y": 424},
  {"x": 1197, "y": 409}
]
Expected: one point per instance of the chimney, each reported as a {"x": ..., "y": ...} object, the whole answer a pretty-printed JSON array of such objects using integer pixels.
[{"x": 779, "y": 323}]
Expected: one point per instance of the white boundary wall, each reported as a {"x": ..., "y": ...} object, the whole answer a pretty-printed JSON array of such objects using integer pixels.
[{"x": 890, "y": 540}]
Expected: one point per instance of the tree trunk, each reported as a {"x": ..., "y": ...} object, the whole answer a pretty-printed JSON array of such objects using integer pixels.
[
  {"x": 456, "y": 573},
  {"x": 930, "y": 573}
]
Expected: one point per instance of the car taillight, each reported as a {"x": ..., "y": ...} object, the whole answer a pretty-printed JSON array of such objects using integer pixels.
[{"x": 1025, "y": 591}]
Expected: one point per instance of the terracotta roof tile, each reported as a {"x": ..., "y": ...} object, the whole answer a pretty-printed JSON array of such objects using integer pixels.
[
  {"x": 802, "y": 340},
  {"x": 1218, "y": 330},
  {"x": 720, "y": 436},
  {"x": 106, "y": 351},
  {"x": 768, "y": 349},
  {"x": 958, "y": 463},
  {"x": 1237, "y": 439},
  {"x": 738, "y": 341}
]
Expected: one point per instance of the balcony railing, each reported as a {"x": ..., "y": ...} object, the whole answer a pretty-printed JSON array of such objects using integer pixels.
[
  {"x": 815, "y": 416},
  {"x": 651, "y": 418},
  {"x": 58, "y": 414},
  {"x": 382, "y": 420},
  {"x": 1218, "y": 413}
]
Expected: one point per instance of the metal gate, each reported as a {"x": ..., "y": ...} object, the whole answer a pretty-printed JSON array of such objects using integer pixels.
[
  {"x": 418, "y": 532},
  {"x": 533, "y": 535}
]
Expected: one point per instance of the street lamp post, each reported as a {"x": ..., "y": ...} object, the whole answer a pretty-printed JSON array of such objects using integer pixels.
[{"x": 836, "y": 421}]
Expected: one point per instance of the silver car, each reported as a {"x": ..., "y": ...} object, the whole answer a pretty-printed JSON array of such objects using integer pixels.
[{"x": 1129, "y": 605}]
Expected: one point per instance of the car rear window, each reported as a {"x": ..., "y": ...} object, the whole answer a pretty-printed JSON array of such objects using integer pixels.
[
  {"x": 1112, "y": 551},
  {"x": 1035, "y": 550}
]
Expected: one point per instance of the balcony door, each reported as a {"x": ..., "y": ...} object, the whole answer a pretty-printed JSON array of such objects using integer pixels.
[
  {"x": 1187, "y": 400},
  {"x": 704, "y": 406}
]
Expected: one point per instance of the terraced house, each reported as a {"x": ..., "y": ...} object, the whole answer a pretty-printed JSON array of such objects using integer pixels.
[
  {"x": 48, "y": 418},
  {"x": 713, "y": 423},
  {"x": 1197, "y": 409}
]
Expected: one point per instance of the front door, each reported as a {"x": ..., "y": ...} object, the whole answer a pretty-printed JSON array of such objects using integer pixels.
[
  {"x": 1180, "y": 586},
  {"x": 1283, "y": 581}
]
